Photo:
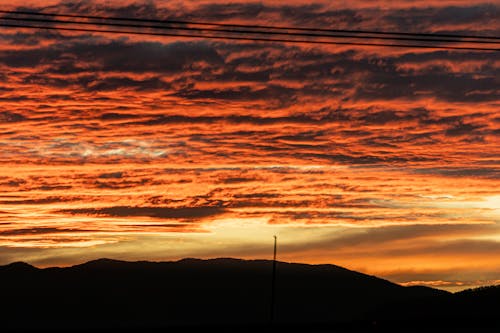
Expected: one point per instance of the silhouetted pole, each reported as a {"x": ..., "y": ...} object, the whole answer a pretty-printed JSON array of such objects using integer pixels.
[{"x": 273, "y": 290}]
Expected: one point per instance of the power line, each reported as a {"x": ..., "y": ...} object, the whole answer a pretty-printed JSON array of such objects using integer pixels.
[
  {"x": 110, "y": 18},
  {"x": 282, "y": 40},
  {"x": 232, "y": 31}
]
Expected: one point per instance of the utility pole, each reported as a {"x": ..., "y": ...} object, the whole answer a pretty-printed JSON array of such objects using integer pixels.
[{"x": 273, "y": 290}]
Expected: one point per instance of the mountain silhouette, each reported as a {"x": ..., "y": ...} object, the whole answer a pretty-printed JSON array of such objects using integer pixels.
[
  {"x": 18, "y": 267},
  {"x": 117, "y": 295}
]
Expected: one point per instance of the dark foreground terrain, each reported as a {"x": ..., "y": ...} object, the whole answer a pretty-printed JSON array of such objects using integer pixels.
[{"x": 230, "y": 295}]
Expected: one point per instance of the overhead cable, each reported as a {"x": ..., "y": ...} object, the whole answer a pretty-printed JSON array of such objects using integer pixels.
[
  {"x": 281, "y": 40},
  {"x": 239, "y": 32},
  {"x": 229, "y": 25}
]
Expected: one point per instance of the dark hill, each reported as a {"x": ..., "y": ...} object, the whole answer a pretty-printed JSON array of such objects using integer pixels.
[
  {"x": 17, "y": 268},
  {"x": 110, "y": 294}
]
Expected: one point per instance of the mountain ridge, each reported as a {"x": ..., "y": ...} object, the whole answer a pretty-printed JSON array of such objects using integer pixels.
[
  {"x": 114, "y": 294},
  {"x": 109, "y": 263}
]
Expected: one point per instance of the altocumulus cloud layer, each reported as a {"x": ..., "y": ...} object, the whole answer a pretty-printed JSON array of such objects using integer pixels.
[{"x": 384, "y": 160}]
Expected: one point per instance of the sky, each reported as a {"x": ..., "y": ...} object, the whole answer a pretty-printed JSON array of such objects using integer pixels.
[{"x": 381, "y": 160}]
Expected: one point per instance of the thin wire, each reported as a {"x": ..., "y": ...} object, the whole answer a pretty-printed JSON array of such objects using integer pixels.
[
  {"x": 247, "y": 26},
  {"x": 248, "y": 38},
  {"x": 246, "y": 31}
]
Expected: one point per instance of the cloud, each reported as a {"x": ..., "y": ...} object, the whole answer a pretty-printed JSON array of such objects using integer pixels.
[
  {"x": 492, "y": 172},
  {"x": 455, "y": 247},
  {"x": 46, "y": 200},
  {"x": 40, "y": 231},
  {"x": 236, "y": 180},
  {"x": 111, "y": 175},
  {"x": 156, "y": 212},
  {"x": 398, "y": 233},
  {"x": 10, "y": 117},
  {"x": 114, "y": 56},
  {"x": 422, "y": 18}
]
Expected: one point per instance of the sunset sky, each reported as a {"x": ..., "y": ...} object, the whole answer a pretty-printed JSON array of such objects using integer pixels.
[{"x": 381, "y": 160}]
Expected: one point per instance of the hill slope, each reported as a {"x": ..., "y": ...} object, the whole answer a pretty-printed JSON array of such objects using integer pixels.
[{"x": 117, "y": 294}]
